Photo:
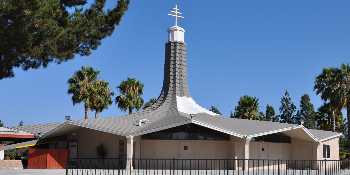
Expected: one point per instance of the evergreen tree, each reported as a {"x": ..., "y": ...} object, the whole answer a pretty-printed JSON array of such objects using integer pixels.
[
  {"x": 35, "y": 33},
  {"x": 247, "y": 108},
  {"x": 21, "y": 123},
  {"x": 1, "y": 123},
  {"x": 215, "y": 110},
  {"x": 149, "y": 103},
  {"x": 306, "y": 114},
  {"x": 287, "y": 109},
  {"x": 270, "y": 114},
  {"x": 325, "y": 119}
]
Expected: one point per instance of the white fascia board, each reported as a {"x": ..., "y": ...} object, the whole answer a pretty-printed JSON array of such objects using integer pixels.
[
  {"x": 332, "y": 137},
  {"x": 309, "y": 133},
  {"x": 284, "y": 130},
  {"x": 218, "y": 129},
  {"x": 273, "y": 131}
]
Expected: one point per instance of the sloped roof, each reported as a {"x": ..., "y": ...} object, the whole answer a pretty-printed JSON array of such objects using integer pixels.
[
  {"x": 20, "y": 145},
  {"x": 175, "y": 107},
  {"x": 242, "y": 127},
  {"x": 324, "y": 135},
  {"x": 37, "y": 129}
]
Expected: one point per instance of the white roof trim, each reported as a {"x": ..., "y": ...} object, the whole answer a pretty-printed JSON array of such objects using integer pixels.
[
  {"x": 188, "y": 106},
  {"x": 217, "y": 129},
  {"x": 274, "y": 131},
  {"x": 286, "y": 129},
  {"x": 332, "y": 137},
  {"x": 309, "y": 133}
]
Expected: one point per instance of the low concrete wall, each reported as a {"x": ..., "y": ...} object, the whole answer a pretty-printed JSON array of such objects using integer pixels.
[{"x": 11, "y": 164}]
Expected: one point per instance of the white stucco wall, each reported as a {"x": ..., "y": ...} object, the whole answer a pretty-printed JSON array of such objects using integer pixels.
[
  {"x": 303, "y": 150},
  {"x": 268, "y": 150},
  {"x": 197, "y": 149},
  {"x": 334, "y": 148},
  {"x": 88, "y": 140}
]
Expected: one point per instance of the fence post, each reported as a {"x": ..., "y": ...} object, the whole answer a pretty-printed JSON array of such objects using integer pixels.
[
  {"x": 325, "y": 167},
  {"x": 173, "y": 166},
  {"x": 278, "y": 167}
]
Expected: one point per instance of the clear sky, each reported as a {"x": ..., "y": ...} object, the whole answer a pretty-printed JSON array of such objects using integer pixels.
[{"x": 253, "y": 47}]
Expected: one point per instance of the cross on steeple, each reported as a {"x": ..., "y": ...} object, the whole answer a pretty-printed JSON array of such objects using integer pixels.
[{"x": 175, "y": 12}]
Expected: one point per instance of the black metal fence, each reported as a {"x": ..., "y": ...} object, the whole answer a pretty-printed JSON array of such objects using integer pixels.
[{"x": 116, "y": 166}]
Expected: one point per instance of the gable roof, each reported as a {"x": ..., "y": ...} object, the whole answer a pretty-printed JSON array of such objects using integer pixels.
[
  {"x": 175, "y": 107},
  {"x": 37, "y": 129},
  {"x": 324, "y": 135}
]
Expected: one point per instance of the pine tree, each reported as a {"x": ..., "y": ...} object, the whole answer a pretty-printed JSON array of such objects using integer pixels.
[
  {"x": 215, "y": 110},
  {"x": 270, "y": 114},
  {"x": 287, "y": 109},
  {"x": 247, "y": 108},
  {"x": 149, "y": 103},
  {"x": 306, "y": 114},
  {"x": 35, "y": 33},
  {"x": 1, "y": 123}
]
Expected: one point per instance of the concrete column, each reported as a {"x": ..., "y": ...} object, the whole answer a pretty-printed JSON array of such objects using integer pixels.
[
  {"x": 2, "y": 152},
  {"x": 246, "y": 153},
  {"x": 129, "y": 152}
]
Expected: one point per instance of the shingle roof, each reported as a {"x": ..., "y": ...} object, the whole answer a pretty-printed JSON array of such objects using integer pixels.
[
  {"x": 167, "y": 113},
  {"x": 4, "y": 130},
  {"x": 242, "y": 127},
  {"x": 22, "y": 144},
  {"x": 324, "y": 135},
  {"x": 37, "y": 129}
]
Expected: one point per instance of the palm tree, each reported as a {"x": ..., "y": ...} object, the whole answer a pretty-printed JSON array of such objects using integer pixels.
[
  {"x": 247, "y": 108},
  {"x": 130, "y": 98},
  {"x": 102, "y": 96},
  {"x": 333, "y": 85},
  {"x": 80, "y": 85}
]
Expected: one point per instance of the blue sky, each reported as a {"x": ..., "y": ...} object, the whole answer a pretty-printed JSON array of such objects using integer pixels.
[{"x": 235, "y": 48}]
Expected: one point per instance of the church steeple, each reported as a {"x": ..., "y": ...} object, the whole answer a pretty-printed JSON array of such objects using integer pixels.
[
  {"x": 175, "y": 92},
  {"x": 176, "y": 33}
]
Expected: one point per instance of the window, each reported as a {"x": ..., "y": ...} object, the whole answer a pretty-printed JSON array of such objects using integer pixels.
[
  {"x": 326, "y": 151},
  {"x": 187, "y": 132},
  {"x": 274, "y": 138},
  {"x": 185, "y": 148}
]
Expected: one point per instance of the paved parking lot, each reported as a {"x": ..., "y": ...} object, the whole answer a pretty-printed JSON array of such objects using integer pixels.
[{"x": 32, "y": 172}]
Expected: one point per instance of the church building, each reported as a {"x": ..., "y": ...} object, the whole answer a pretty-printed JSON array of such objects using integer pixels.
[{"x": 177, "y": 127}]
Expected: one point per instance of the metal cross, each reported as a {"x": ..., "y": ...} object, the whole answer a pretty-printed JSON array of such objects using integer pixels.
[{"x": 175, "y": 12}]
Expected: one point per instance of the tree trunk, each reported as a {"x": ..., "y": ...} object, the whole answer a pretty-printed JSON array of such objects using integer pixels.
[
  {"x": 130, "y": 111},
  {"x": 86, "y": 112},
  {"x": 348, "y": 118},
  {"x": 96, "y": 114}
]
